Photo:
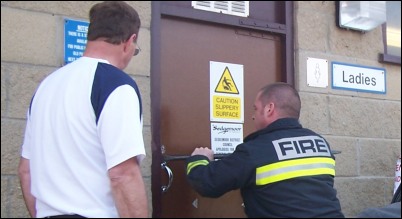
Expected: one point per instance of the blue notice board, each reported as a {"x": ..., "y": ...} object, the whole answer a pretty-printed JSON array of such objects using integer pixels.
[{"x": 75, "y": 39}]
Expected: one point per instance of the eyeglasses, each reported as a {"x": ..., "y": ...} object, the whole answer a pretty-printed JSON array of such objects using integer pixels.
[{"x": 137, "y": 50}]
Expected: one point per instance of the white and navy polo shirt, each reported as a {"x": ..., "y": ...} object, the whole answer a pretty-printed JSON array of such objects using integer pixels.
[{"x": 84, "y": 119}]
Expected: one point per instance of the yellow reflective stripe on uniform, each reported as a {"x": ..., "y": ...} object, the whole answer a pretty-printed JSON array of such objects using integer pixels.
[
  {"x": 294, "y": 168},
  {"x": 196, "y": 163}
]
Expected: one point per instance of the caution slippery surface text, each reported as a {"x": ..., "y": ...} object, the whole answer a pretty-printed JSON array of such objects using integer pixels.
[{"x": 226, "y": 107}]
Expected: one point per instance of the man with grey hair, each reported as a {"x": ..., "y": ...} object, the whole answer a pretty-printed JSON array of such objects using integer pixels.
[{"x": 83, "y": 140}]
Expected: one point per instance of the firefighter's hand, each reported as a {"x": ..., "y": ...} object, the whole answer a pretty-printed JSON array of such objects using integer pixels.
[{"x": 204, "y": 151}]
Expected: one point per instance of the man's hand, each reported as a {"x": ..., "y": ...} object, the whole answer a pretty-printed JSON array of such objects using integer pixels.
[{"x": 204, "y": 151}]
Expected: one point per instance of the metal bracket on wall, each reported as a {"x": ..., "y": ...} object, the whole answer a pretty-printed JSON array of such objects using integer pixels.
[
  {"x": 263, "y": 25},
  {"x": 259, "y": 34}
]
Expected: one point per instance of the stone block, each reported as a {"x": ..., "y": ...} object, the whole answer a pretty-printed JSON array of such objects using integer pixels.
[
  {"x": 147, "y": 162},
  {"x": 347, "y": 161},
  {"x": 356, "y": 194},
  {"x": 141, "y": 63},
  {"x": 143, "y": 83},
  {"x": 378, "y": 157},
  {"x": 30, "y": 37},
  {"x": 19, "y": 209},
  {"x": 4, "y": 196},
  {"x": 314, "y": 108},
  {"x": 12, "y": 136},
  {"x": 23, "y": 82},
  {"x": 311, "y": 29},
  {"x": 4, "y": 85},
  {"x": 351, "y": 116}
]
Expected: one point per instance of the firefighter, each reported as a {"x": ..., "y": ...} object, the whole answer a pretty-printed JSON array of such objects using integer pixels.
[{"x": 282, "y": 169}]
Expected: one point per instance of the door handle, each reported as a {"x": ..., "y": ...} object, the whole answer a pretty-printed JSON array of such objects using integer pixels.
[
  {"x": 170, "y": 175},
  {"x": 169, "y": 171}
]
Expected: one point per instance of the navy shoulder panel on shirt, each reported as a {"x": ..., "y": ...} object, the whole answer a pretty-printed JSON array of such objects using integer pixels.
[{"x": 107, "y": 78}]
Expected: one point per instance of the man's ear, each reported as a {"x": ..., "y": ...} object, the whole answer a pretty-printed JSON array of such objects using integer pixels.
[
  {"x": 269, "y": 108},
  {"x": 133, "y": 38},
  {"x": 130, "y": 40}
]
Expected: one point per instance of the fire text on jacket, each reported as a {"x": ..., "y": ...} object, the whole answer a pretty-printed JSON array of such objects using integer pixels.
[{"x": 305, "y": 146}]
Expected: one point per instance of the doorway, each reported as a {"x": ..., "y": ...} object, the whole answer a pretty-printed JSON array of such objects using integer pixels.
[{"x": 181, "y": 100}]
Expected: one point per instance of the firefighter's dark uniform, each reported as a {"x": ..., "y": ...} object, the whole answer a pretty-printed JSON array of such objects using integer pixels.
[{"x": 283, "y": 170}]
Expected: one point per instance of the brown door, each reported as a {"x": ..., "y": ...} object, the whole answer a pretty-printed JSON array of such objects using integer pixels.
[{"x": 182, "y": 103}]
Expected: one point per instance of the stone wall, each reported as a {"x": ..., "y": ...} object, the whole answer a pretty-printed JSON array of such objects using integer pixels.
[
  {"x": 365, "y": 127},
  {"x": 31, "y": 48}
]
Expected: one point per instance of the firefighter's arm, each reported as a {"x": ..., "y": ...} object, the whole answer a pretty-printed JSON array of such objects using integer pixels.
[{"x": 216, "y": 177}]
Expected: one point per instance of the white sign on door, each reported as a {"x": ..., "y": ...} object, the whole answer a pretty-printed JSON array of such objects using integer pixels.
[
  {"x": 226, "y": 92},
  {"x": 225, "y": 137}
]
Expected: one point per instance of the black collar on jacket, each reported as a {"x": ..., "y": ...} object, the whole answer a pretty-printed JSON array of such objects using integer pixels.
[{"x": 283, "y": 123}]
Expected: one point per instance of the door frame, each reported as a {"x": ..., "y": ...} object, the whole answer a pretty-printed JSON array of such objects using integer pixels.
[{"x": 281, "y": 24}]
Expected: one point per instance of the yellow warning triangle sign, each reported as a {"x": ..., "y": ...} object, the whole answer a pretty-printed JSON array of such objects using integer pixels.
[{"x": 226, "y": 84}]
